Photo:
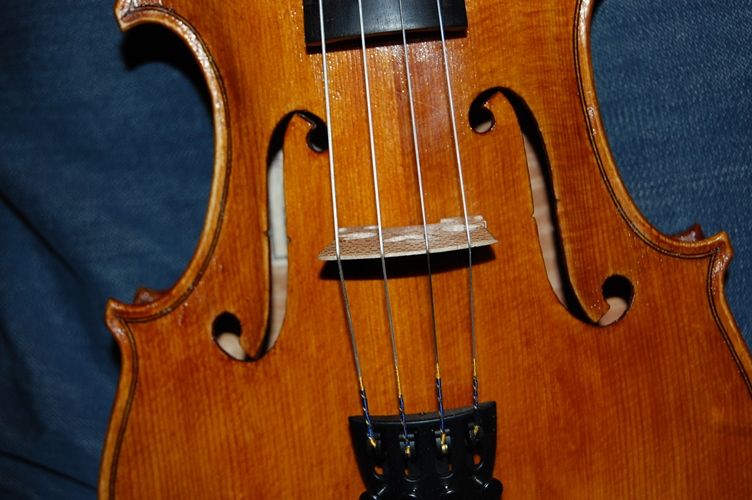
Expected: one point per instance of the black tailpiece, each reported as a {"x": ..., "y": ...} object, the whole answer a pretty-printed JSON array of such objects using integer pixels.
[{"x": 457, "y": 466}]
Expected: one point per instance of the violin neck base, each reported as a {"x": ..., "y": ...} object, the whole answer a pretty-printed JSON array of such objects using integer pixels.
[{"x": 381, "y": 18}]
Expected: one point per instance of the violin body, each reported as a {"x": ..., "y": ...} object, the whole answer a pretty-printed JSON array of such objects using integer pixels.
[{"x": 655, "y": 405}]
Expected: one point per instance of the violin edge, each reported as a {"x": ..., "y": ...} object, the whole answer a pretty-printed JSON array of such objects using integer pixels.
[
  {"x": 717, "y": 248},
  {"x": 129, "y": 16}
]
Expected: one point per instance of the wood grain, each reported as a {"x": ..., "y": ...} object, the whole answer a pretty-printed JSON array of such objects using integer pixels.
[{"x": 656, "y": 405}]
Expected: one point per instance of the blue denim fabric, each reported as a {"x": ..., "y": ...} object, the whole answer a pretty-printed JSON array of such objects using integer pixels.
[
  {"x": 105, "y": 164},
  {"x": 674, "y": 81}
]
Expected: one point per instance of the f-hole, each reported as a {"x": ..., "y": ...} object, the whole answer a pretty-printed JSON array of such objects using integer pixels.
[
  {"x": 277, "y": 222},
  {"x": 618, "y": 291},
  {"x": 228, "y": 340},
  {"x": 226, "y": 331}
]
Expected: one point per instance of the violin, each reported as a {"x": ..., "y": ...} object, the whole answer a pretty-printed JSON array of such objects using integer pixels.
[{"x": 372, "y": 317}]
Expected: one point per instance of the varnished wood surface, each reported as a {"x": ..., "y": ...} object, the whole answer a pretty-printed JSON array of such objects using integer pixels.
[{"x": 657, "y": 405}]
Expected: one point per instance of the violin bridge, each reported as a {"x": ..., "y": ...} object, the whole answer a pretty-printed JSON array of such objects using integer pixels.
[{"x": 362, "y": 242}]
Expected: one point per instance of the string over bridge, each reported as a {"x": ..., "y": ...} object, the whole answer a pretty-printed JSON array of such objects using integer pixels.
[{"x": 448, "y": 235}]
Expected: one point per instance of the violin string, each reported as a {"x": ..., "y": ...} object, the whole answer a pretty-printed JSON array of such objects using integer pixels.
[
  {"x": 375, "y": 175},
  {"x": 458, "y": 158},
  {"x": 413, "y": 125},
  {"x": 335, "y": 217}
]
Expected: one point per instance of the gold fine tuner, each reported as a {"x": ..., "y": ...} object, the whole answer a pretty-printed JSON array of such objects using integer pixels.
[{"x": 444, "y": 445}]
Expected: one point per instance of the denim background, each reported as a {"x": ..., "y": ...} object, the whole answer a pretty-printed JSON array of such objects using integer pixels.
[{"x": 105, "y": 163}]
